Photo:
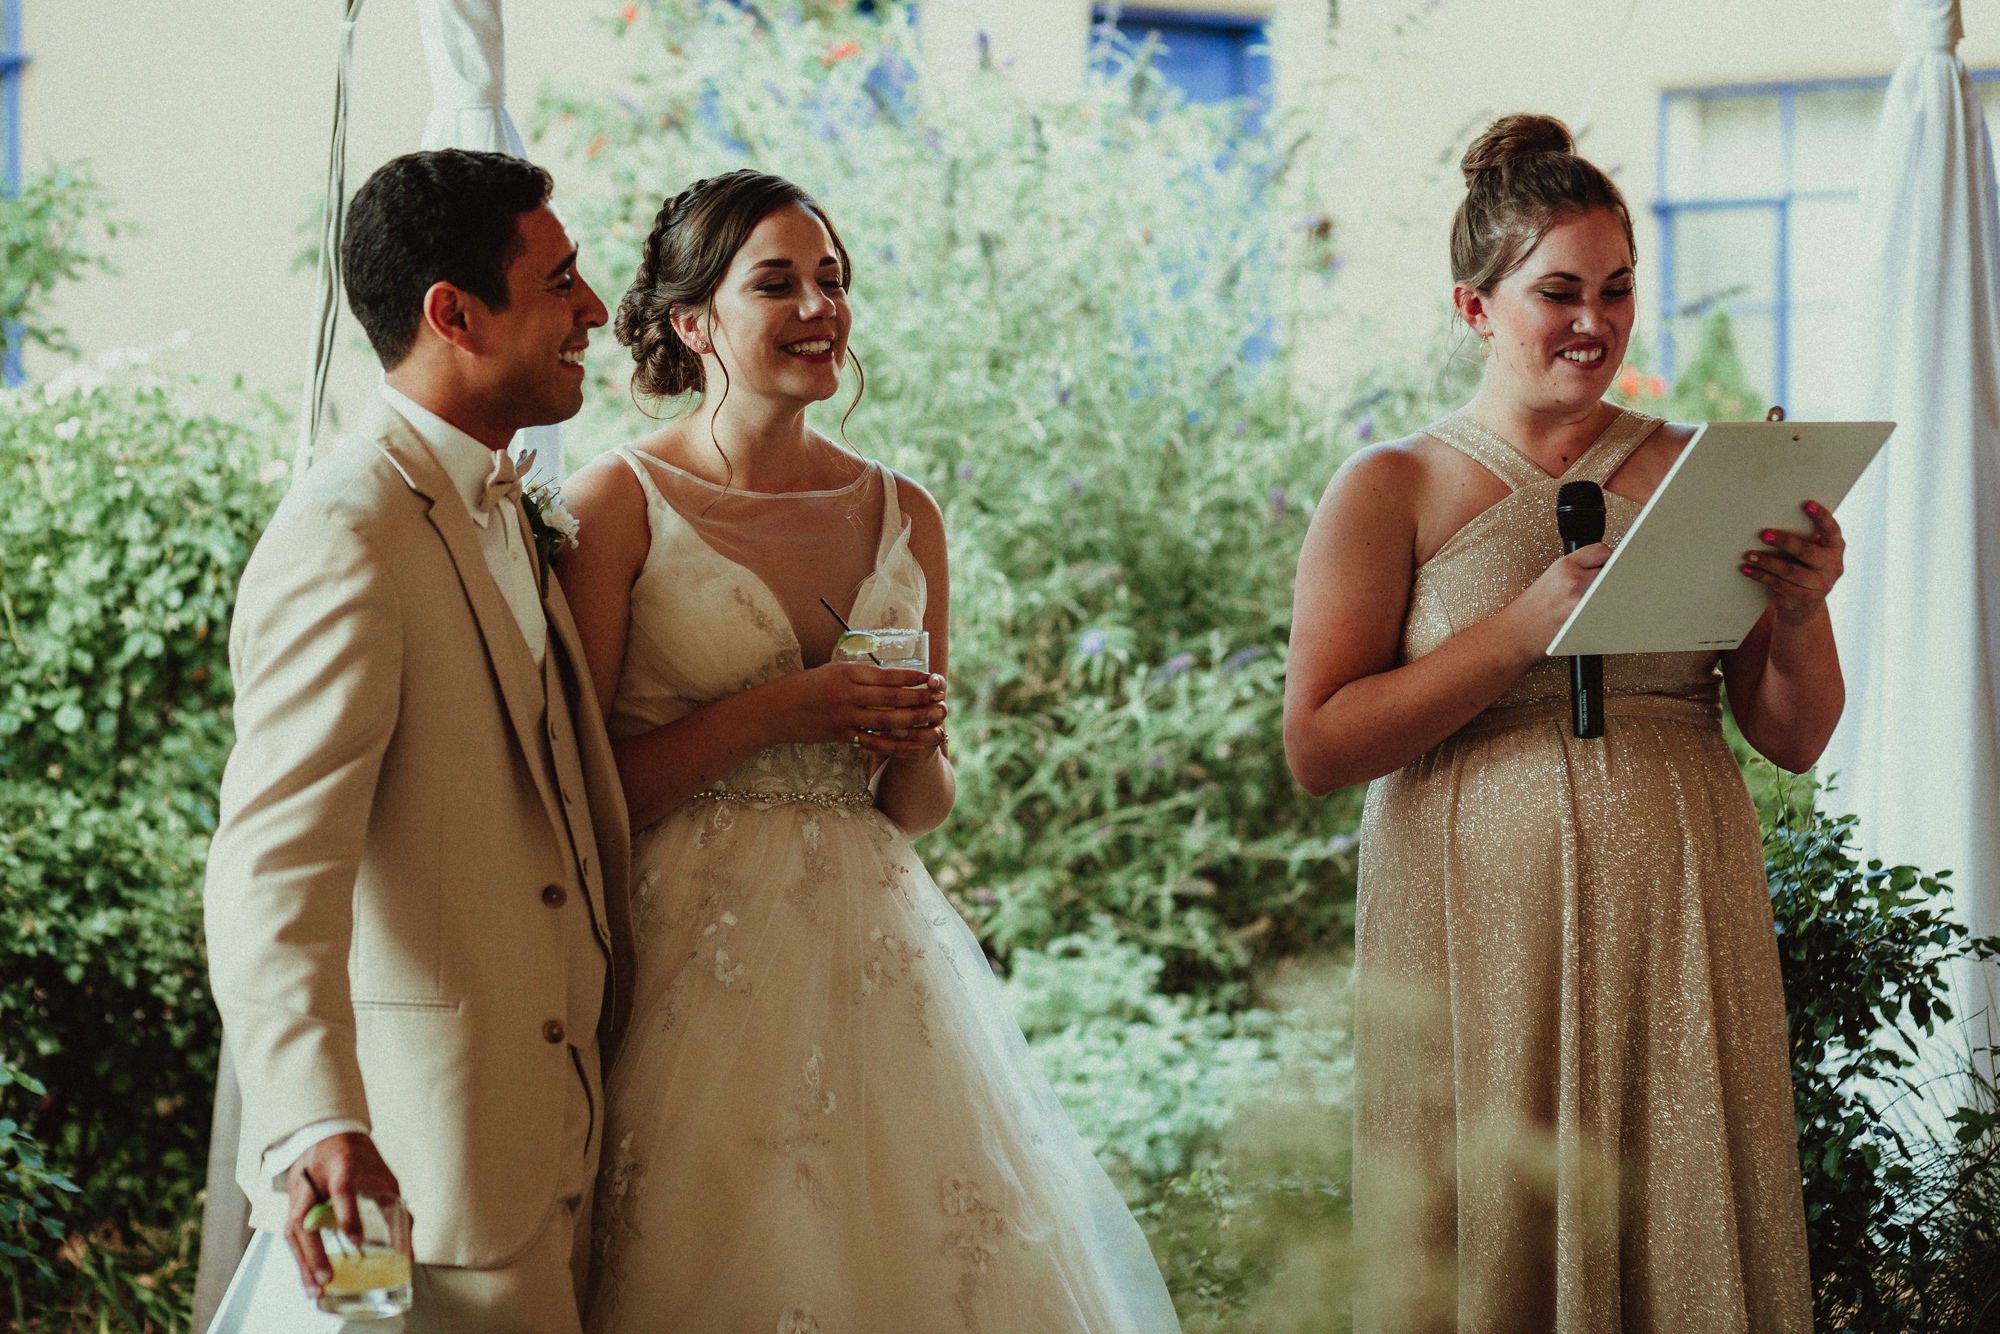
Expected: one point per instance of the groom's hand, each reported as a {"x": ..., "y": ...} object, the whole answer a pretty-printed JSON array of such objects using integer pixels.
[{"x": 339, "y": 1170}]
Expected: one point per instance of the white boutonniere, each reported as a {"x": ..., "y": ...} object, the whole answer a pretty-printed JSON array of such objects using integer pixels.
[{"x": 549, "y": 520}]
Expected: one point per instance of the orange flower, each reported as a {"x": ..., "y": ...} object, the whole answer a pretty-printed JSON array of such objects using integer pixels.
[
  {"x": 1628, "y": 382},
  {"x": 840, "y": 51},
  {"x": 1656, "y": 387},
  {"x": 629, "y": 13},
  {"x": 596, "y": 146}
]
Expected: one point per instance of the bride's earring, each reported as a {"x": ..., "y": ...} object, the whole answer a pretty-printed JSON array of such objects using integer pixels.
[{"x": 1486, "y": 345}]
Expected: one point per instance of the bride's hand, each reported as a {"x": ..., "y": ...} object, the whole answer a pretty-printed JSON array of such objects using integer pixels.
[
  {"x": 1540, "y": 611},
  {"x": 916, "y": 743},
  {"x": 853, "y": 702}
]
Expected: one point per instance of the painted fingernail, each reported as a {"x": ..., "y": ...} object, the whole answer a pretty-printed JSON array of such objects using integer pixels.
[
  {"x": 1812, "y": 507},
  {"x": 1767, "y": 536},
  {"x": 1748, "y": 570}
]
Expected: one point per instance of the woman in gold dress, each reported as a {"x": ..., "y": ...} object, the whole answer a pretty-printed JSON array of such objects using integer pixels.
[{"x": 1573, "y": 1105}]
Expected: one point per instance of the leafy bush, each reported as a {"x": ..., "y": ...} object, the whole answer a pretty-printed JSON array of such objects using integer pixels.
[
  {"x": 1865, "y": 954},
  {"x": 131, "y": 513},
  {"x": 29, "y": 1216},
  {"x": 1149, "y": 1080},
  {"x": 50, "y": 233},
  {"x": 1073, "y": 321}
]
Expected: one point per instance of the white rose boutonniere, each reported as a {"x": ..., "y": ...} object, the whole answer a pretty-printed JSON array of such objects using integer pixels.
[{"x": 549, "y": 519}]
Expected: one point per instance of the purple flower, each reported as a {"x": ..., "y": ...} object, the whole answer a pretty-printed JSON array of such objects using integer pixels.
[
  {"x": 1177, "y": 665},
  {"x": 1240, "y": 430},
  {"x": 1340, "y": 843},
  {"x": 1063, "y": 395},
  {"x": 1155, "y": 762},
  {"x": 985, "y": 897},
  {"x": 1364, "y": 429},
  {"x": 1090, "y": 643},
  {"x": 1278, "y": 501},
  {"x": 964, "y": 472},
  {"x": 1242, "y": 658}
]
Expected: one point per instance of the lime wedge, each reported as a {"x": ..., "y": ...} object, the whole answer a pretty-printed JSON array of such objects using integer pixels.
[
  {"x": 855, "y": 641},
  {"x": 319, "y": 1218}
]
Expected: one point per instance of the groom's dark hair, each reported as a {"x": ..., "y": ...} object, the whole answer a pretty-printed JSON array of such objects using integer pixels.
[{"x": 449, "y": 216}]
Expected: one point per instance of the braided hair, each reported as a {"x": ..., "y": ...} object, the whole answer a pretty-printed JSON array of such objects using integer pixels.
[{"x": 695, "y": 237}]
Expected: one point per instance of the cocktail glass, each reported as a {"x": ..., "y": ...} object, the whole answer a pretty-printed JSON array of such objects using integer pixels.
[
  {"x": 904, "y": 650},
  {"x": 371, "y": 1279}
]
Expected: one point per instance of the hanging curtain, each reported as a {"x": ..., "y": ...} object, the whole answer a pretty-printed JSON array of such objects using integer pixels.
[{"x": 1917, "y": 754}]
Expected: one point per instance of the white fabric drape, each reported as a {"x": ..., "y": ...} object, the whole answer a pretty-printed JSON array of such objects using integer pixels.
[
  {"x": 465, "y": 50},
  {"x": 1918, "y": 615}
]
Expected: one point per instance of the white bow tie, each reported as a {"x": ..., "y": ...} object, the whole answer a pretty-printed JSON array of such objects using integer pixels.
[{"x": 502, "y": 484}]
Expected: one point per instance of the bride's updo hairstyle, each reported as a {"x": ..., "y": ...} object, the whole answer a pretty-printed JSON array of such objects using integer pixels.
[
  {"x": 1520, "y": 177},
  {"x": 694, "y": 239}
]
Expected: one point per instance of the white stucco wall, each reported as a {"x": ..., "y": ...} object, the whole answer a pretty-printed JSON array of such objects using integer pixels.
[{"x": 207, "y": 122}]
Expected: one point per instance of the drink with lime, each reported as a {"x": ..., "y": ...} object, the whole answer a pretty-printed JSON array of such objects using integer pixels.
[
  {"x": 371, "y": 1278},
  {"x": 903, "y": 650}
]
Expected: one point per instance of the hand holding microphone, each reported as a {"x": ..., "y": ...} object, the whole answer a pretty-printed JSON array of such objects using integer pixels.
[{"x": 1580, "y": 520}]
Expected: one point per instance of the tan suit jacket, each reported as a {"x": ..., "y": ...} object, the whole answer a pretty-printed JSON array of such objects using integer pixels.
[{"x": 386, "y": 879}]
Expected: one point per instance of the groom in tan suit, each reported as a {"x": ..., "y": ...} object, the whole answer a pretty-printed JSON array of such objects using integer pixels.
[{"x": 416, "y": 902}]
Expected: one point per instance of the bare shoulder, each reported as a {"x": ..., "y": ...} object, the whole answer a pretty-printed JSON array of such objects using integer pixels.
[
  {"x": 1641, "y": 474},
  {"x": 1381, "y": 483},
  {"x": 926, "y": 519},
  {"x": 609, "y": 503}
]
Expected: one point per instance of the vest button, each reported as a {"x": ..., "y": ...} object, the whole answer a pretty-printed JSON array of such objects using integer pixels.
[
  {"x": 554, "y": 896},
  {"x": 553, "y": 1030}
]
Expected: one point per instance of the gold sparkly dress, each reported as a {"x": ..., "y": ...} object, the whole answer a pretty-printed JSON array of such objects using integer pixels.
[{"x": 1573, "y": 1103}]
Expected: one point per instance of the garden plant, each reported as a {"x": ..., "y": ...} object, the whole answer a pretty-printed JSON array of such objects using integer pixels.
[{"x": 1080, "y": 326}]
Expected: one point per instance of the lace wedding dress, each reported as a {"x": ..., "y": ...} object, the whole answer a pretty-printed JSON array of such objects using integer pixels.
[{"x": 823, "y": 1119}]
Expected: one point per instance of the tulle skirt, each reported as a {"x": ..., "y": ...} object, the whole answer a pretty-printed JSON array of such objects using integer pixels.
[{"x": 823, "y": 1119}]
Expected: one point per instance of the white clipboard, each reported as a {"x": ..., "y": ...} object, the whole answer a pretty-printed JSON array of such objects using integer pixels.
[{"x": 1674, "y": 583}]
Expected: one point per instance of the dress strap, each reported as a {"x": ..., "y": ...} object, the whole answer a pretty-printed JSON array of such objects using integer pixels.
[
  {"x": 1488, "y": 450},
  {"x": 631, "y": 457},
  {"x": 892, "y": 513},
  {"x": 1625, "y": 434}
]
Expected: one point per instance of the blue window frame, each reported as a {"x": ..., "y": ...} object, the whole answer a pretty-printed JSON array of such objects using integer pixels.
[
  {"x": 12, "y": 62},
  {"x": 1758, "y": 200},
  {"x": 1209, "y": 57}
]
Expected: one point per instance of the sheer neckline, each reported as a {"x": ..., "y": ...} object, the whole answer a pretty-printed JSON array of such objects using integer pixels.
[{"x": 867, "y": 467}]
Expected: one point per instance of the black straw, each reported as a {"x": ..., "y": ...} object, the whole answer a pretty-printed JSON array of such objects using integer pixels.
[{"x": 845, "y": 626}]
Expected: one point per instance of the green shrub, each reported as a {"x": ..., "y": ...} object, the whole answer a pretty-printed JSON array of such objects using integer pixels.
[
  {"x": 1074, "y": 325},
  {"x": 1150, "y": 1080},
  {"x": 131, "y": 513},
  {"x": 1891, "y": 1223}
]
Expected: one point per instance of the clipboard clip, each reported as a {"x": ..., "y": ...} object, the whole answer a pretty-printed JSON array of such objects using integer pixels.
[{"x": 1776, "y": 414}]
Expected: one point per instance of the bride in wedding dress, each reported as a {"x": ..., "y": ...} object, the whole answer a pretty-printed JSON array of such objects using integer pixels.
[{"x": 822, "y": 1118}]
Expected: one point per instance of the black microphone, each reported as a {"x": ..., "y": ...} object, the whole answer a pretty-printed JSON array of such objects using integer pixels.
[{"x": 1580, "y": 520}]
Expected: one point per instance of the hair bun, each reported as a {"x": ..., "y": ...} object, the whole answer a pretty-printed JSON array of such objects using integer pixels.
[{"x": 1514, "y": 137}]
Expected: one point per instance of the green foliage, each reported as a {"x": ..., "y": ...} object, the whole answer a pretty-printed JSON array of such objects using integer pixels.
[
  {"x": 1865, "y": 955},
  {"x": 130, "y": 515},
  {"x": 1712, "y": 387},
  {"x": 1150, "y": 1080},
  {"x": 30, "y": 1217},
  {"x": 49, "y": 234},
  {"x": 1073, "y": 324}
]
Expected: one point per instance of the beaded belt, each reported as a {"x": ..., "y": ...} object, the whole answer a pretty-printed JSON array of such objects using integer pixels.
[{"x": 828, "y": 799}]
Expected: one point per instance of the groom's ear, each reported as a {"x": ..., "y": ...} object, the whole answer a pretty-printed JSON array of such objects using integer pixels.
[{"x": 449, "y": 311}]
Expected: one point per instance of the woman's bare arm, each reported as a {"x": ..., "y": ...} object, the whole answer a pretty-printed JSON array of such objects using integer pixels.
[
  {"x": 1784, "y": 680},
  {"x": 1352, "y": 714}
]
